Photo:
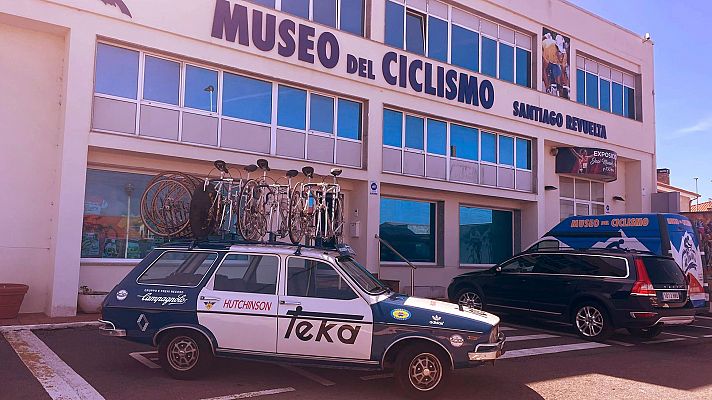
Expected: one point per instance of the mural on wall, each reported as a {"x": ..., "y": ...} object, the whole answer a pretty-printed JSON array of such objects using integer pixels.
[
  {"x": 587, "y": 162},
  {"x": 555, "y": 57}
]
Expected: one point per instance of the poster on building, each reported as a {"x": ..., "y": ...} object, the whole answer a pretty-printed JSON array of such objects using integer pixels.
[
  {"x": 702, "y": 224},
  {"x": 587, "y": 162},
  {"x": 555, "y": 54}
]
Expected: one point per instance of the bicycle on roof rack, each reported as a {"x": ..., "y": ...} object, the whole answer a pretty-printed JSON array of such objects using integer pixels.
[
  {"x": 165, "y": 204},
  {"x": 316, "y": 210}
]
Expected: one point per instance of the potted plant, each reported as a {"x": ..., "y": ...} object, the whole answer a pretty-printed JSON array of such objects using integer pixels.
[
  {"x": 89, "y": 300},
  {"x": 11, "y": 296}
]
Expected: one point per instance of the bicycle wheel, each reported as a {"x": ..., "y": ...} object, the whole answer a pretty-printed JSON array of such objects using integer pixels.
[
  {"x": 251, "y": 223},
  {"x": 337, "y": 221},
  {"x": 297, "y": 204},
  {"x": 167, "y": 207}
]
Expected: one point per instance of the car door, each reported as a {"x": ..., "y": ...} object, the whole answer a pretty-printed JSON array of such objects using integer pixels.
[
  {"x": 239, "y": 303},
  {"x": 507, "y": 289},
  {"x": 321, "y": 314}
]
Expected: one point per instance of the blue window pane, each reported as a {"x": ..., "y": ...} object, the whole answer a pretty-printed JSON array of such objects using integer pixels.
[
  {"x": 489, "y": 56},
  {"x": 605, "y": 87},
  {"x": 392, "y": 128},
  {"x": 349, "y": 119},
  {"x": 580, "y": 86},
  {"x": 415, "y": 32},
  {"x": 325, "y": 12},
  {"x": 437, "y": 136},
  {"x": 524, "y": 154},
  {"x": 617, "y": 98},
  {"x": 352, "y": 16},
  {"x": 266, "y": 3},
  {"x": 437, "y": 39},
  {"x": 629, "y": 103},
  {"x": 524, "y": 67},
  {"x": 489, "y": 147},
  {"x": 409, "y": 226},
  {"x": 591, "y": 90},
  {"x": 291, "y": 107},
  {"x": 161, "y": 80},
  {"x": 463, "y": 142},
  {"x": 201, "y": 88},
  {"x": 394, "y": 24},
  {"x": 321, "y": 115},
  {"x": 506, "y": 150},
  {"x": 116, "y": 71},
  {"x": 247, "y": 98},
  {"x": 413, "y": 132},
  {"x": 506, "y": 62},
  {"x": 486, "y": 236},
  {"x": 465, "y": 48},
  {"x": 300, "y": 8}
]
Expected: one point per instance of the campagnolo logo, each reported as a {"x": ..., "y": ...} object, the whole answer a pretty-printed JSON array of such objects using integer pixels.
[
  {"x": 163, "y": 300},
  {"x": 326, "y": 331}
]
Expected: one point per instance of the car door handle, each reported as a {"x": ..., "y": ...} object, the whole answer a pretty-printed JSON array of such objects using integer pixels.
[
  {"x": 209, "y": 298},
  {"x": 289, "y": 303}
]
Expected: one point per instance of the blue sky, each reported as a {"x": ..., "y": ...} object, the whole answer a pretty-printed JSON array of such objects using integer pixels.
[{"x": 683, "y": 54}]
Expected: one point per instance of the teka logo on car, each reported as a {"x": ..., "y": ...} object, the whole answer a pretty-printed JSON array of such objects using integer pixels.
[
  {"x": 120, "y": 4},
  {"x": 305, "y": 331}
]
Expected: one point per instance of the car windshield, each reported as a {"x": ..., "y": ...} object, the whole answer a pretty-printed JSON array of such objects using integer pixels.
[{"x": 361, "y": 276}]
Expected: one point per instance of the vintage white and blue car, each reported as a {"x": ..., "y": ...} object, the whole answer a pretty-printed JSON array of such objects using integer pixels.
[{"x": 296, "y": 304}]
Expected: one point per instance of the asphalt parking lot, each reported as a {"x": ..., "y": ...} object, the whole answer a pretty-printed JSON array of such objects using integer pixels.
[{"x": 543, "y": 361}]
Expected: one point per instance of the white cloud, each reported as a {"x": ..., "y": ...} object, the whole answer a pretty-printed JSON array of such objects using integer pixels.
[{"x": 702, "y": 125}]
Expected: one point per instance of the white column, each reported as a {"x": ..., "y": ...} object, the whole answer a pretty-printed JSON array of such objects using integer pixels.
[{"x": 75, "y": 125}]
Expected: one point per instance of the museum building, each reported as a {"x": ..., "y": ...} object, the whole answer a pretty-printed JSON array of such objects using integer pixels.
[{"x": 464, "y": 129}]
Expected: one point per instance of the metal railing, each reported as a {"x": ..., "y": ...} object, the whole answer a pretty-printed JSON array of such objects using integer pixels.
[{"x": 410, "y": 264}]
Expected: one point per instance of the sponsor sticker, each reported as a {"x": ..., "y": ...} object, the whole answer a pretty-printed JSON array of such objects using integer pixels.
[
  {"x": 456, "y": 340},
  {"x": 122, "y": 295},
  {"x": 164, "y": 297},
  {"x": 437, "y": 320},
  {"x": 209, "y": 304},
  {"x": 400, "y": 314}
]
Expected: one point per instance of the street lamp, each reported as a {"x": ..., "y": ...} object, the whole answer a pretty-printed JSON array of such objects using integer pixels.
[
  {"x": 697, "y": 193},
  {"x": 210, "y": 89}
]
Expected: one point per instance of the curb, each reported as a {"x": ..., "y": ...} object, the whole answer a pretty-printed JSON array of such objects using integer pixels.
[{"x": 63, "y": 325}]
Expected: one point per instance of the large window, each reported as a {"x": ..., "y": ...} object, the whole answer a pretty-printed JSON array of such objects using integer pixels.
[
  {"x": 201, "y": 88},
  {"x": 112, "y": 225},
  {"x": 161, "y": 80},
  {"x": 464, "y": 142},
  {"x": 346, "y": 15},
  {"x": 178, "y": 268},
  {"x": 247, "y": 98},
  {"x": 292, "y": 107},
  {"x": 605, "y": 88},
  {"x": 474, "y": 43},
  {"x": 580, "y": 197},
  {"x": 485, "y": 235},
  {"x": 410, "y": 227},
  {"x": 116, "y": 71}
]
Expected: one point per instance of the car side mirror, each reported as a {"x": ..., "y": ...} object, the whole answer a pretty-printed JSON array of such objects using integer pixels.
[{"x": 498, "y": 269}]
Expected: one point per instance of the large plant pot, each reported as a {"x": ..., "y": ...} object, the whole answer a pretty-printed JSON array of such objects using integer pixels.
[
  {"x": 11, "y": 296},
  {"x": 91, "y": 303}
]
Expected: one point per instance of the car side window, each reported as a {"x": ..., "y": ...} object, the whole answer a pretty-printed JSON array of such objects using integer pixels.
[
  {"x": 522, "y": 264},
  {"x": 554, "y": 264},
  {"x": 178, "y": 268},
  {"x": 312, "y": 278},
  {"x": 247, "y": 273}
]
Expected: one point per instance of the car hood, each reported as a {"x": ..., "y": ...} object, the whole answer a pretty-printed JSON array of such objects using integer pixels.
[{"x": 433, "y": 313}]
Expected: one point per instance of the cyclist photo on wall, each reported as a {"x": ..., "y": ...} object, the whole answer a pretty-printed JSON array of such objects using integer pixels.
[{"x": 555, "y": 62}]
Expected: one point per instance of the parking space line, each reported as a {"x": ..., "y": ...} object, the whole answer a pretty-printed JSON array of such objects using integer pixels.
[
  {"x": 535, "y": 351},
  {"x": 679, "y": 335},
  {"x": 700, "y": 326},
  {"x": 307, "y": 374},
  {"x": 140, "y": 357},
  {"x": 664, "y": 340},
  {"x": 374, "y": 377},
  {"x": 58, "y": 379},
  {"x": 530, "y": 337},
  {"x": 249, "y": 395},
  {"x": 619, "y": 343},
  {"x": 706, "y": 336}
]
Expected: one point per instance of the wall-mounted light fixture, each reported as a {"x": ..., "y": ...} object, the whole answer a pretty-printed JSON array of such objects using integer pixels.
[
  {"x": 618, "y": 198},
  {"x": 550, "y": 187},
  {"x": 554, "y": 151}
]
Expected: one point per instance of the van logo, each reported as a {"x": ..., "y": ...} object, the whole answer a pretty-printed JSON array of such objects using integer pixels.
[
  {"x": 120, "y": 4},
  {"x": 437, "y": 320}
]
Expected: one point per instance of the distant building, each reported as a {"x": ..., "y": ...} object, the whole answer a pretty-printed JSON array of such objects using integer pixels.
[
  {"x": 670, "y": 198},
  {"x": 706, "y": 206}
]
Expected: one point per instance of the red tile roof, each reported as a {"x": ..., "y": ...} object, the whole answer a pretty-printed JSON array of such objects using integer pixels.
[{"x": 706, "y": 206}]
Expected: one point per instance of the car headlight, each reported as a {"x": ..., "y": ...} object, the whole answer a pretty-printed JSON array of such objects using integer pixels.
[{"x": 494, "y": 334}]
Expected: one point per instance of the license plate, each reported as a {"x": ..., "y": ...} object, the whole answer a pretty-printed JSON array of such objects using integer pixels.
[{"x": 671, "y": 296}]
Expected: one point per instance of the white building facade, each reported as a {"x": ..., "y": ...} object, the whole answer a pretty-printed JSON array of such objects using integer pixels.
[{"x": 465, "y": 129}]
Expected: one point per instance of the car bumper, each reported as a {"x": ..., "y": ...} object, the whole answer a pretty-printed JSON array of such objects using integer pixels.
[
  {"x": 676, "y": 316},
  {"x": 488, "y": 351},
  {"x": 109, "y": 329}
]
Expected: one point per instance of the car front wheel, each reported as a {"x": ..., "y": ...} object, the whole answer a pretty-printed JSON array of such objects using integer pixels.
[
  {"x": 592, "y": 322},
  {"x": 646, "y": 333},
  {"x": 184, "y": 354},
  {"x": 421, "y": 371}
]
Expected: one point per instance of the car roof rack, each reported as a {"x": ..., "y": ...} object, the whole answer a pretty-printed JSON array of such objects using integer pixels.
[
  {"x": 223, "y": 243},
  {"x": 590, "y": 249}
]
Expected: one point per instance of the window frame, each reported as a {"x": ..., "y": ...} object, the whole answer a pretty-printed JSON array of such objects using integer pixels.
[
  {"x": 211, "y": 283},
  {"x": 172, "y": 250},
  {"x": 590, "y": 203},
  {"x": 344, "y": 277},
  {"x": 582, "y": 66}
]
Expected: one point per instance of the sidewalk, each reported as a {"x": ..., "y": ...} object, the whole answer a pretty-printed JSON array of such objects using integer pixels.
[{"x": 42, "y": 319}]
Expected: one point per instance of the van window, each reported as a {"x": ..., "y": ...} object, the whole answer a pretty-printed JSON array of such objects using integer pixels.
[
  {"x": 247, "y": 274},
  {"x": 546, "y": 245},
  {"x": 179, "y": 268},
  {"x": 664, "y": 271}
]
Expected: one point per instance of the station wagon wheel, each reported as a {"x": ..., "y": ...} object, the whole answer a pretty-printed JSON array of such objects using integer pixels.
[
  {"x": 421, "y": 370},
  {"x": 470, "y": 298},
  {"x": 184, "y": 354},
  {"x": 592, "y": 322}
]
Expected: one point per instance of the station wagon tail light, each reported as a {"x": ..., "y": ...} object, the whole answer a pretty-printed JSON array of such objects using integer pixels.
[{"x": 643, "y": 286}]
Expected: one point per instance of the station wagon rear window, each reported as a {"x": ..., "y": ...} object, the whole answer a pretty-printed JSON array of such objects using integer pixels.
[{"x": 178, "y": 268}]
